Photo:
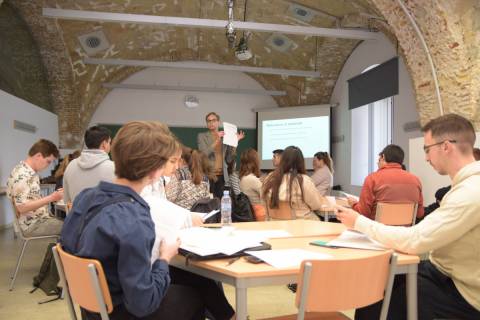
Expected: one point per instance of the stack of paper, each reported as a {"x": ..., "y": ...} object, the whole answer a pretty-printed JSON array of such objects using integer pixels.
[
  {"x": 288, "y": 258},
  {"x": 357, "y": 240}
]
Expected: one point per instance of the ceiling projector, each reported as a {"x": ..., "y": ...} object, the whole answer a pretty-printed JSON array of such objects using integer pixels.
[{"x": 242, "y": 52}]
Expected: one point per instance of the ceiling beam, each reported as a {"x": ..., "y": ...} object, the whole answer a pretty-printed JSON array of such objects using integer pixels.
[
  {"x": 197, "y": 65},
  {"x": 111, "y": 85},
  {"x": 83, "y": 15}
]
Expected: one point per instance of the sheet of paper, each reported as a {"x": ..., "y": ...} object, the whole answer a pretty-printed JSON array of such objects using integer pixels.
[
  {"x": 230, "y": 137},
  {"x": 353, "y": 239},
  {"x": 205, "y": 241},
  {"x": 167, "y": 213},
  {"x": 288, "y": 258},
  {"x": 351, "y": 196},
  {"x": 205, "y": 216},
  {"x": 262, "y": 235}
]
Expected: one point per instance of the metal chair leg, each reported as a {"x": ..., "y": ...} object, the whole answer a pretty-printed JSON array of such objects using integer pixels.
[{"x": 19, "y": 261}]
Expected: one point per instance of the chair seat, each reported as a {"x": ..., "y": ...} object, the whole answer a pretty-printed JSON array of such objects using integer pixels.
[{"x": 314, "y": 316}]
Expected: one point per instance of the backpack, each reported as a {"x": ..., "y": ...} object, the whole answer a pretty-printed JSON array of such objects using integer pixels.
[
  {"x": 206, "y": 205},
  {"x": 242, "y": 210},
  {"x": 47, "y": 279}
]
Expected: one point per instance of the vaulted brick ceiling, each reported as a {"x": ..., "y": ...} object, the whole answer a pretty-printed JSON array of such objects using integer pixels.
[{"x": 76, "y": 87}]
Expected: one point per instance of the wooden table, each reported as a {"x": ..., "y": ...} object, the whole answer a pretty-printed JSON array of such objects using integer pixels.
[{"x": 243, "y": 275}]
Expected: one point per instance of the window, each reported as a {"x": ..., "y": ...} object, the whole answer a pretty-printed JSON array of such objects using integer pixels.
[{"x": 371, "y": 132}]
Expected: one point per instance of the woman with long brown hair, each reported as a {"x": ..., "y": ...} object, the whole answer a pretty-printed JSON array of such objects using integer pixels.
[
  {"x": 289, "y": 183},
  {"x": 250, "y": 183},
  {"x": 323, "y": 175},
  {"x": 190, "y": 182}
]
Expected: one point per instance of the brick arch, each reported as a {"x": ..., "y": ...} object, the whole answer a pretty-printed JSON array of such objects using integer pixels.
[{"x": 443, "y": 24}]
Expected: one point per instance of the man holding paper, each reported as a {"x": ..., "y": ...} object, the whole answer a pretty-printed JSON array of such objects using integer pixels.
[
  {"x": 210, "y": 143},
  {"x": 449, "y": 282}
]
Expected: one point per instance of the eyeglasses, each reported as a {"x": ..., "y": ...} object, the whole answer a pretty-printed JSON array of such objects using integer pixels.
[
  {"x": 427, "y": 148},
  {"x": 211, "y": 120}
]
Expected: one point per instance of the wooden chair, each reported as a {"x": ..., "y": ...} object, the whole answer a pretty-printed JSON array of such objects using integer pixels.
[
  {"x": 25, "y": 241},
  {"x": 84, "y": 283},
  {"x": 283, "y": 212},
  {"x": 396, "y": 214},
  {"x": 259, "y": 211},
  {"x": 326, "y": 286}
]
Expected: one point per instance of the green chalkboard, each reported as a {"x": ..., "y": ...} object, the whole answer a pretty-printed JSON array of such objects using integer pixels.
[{"x": 188, "y": 136}]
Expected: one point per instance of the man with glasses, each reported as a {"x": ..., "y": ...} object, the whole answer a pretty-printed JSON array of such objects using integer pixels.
[
  {"x": 449, "y": 282},
  {"x": 210, "y": 143},
  {"x": 390, "y": 183}
]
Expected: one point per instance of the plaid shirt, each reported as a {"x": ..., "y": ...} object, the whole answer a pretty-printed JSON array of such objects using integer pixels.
[
  {"x": 24, "y": 186},
  {"x": 181, "y": 190}
]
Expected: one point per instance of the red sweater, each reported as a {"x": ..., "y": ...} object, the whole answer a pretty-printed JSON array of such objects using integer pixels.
[{"x": 389, "y": 184}]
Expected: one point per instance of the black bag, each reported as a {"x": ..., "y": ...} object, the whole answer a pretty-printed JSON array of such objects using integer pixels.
[
  {"x": 193, "y": 256},
  {"x": 242, "y": 210},
  {"x": 206, "y": 205},
  {"x": 47, "y": 279}
]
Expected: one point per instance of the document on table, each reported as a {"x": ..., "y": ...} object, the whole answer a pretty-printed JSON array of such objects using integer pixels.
[
  {"x": 357, "y": 240},
  {"x": 263, "y": 235},
  {"x": 230, "y": 138},
  {"x": 205, "y": 241},
  {"x": 348, "y": 195},
  {"x": 288, "y": 258}
]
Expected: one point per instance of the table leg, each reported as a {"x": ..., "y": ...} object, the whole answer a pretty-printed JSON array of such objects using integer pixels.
[
  {"x": 241, "y": 303},
  {"x": 412, "y": 311}
]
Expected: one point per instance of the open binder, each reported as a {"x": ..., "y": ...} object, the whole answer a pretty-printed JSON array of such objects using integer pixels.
[{"x": 196, "y": 257}]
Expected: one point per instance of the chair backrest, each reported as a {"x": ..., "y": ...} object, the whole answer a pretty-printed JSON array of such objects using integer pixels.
[
  {"x": 396, "y": 214},
  {"x": 16, "y": 216},
  {"x": 283, "y": 212},
  {"x": 86, "y": 282},
  {"x": 14, "y": 207},
  {"x": 68, "y": 206},
  {"x": 342, "y": 284},
  {"x": 259, "y": 211}
]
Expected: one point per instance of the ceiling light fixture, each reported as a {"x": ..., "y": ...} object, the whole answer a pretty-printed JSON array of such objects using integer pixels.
[{"x": 242, "y": 52}]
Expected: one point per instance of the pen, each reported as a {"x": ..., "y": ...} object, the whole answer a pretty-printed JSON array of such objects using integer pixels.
[{"x": 232, "y": 261}]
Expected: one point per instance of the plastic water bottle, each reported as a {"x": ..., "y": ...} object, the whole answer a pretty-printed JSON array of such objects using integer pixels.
[{"x": 226, "y": 209}]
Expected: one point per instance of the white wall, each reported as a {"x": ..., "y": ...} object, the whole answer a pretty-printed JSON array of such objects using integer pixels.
[
  {"x": 122, "y": 105},
  {"x": 15, "y": 143},
  {"x": 365, "y": 55},
  {"x": 431, "y": 180}
]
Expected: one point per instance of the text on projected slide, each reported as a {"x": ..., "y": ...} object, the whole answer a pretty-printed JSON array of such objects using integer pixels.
[{"x": 309, "y": 134}]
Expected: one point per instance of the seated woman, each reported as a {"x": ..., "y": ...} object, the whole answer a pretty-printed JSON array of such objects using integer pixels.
[
  {"x": 121, "y": 235},
  {"x": 323, "y": 175},
  {"x": 289, "y": 183},
  {"x": 250, "y": 183},
  {"x": 231, "y": 178},
  {"x": 190, "y": 182}
]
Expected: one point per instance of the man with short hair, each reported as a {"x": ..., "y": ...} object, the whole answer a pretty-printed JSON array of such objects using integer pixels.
[
  {"x": 277, "y": 157},
  {"x": 23, "y": 186},
  {"x": 210, "y": 143},
  {"x": 390, "y": 183},
  {"x": 449, "y": 282},
  {"x": 93, "y": 165}
]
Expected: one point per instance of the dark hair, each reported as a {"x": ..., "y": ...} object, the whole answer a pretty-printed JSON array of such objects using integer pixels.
[
  {"x": 63, "y": 165},
  {"x": 141, "y": 147},
  {"x": 476, "y": 154},
  {"x": 325, "y": 157},
  {"x": 249, "y": 163},
  {"x": 277, "y": 151},
  {"x": 230, "y": 159},
  {"x": 393, "y": 153},
  {"x": 452, "y": 127},
  {"x": 95, "y": 135},
  {"x": 292, "y": 163},
  {"x": 194, "y": 160},
  {"x": 45, "y": 147},
  {"x": 212, "y": 114}
]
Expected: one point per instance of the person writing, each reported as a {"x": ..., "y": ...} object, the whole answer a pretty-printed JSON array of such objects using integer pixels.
[{"x": 449, "y": 282}]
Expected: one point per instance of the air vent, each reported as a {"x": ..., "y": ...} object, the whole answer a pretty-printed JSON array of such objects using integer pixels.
[
  {"x": 94, "y": 42},
  {"x": 301, "y": 12},
  {"x": 412, "y": 126},
  {"x": 279, "y": 42},
  {"x": 19, "y": 125}
]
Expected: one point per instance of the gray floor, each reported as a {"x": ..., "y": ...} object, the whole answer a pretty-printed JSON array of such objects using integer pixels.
[{"x": 20, "y": 304}]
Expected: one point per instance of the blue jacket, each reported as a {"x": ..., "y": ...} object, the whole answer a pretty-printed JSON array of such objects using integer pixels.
[{"x": 121, "y": 237}]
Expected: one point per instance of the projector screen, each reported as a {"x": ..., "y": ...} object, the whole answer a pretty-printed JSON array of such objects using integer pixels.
[{"x": 307, "y": 128}]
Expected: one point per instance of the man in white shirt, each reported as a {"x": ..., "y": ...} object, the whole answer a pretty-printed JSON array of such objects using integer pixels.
[
  {"x": 93, "y": 165},
  {"x": 449, "y": 282}
]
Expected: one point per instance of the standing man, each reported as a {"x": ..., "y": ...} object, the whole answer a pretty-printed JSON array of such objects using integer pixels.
[
  {"x": 210, "y": 143},
  {"x": 93, "y": 165},
  {"x": 449, "y": 282},
  {"x": 23, "y": 186},
  {"x": 390, "y": 183},
  {"x": 277, "y": 157}
]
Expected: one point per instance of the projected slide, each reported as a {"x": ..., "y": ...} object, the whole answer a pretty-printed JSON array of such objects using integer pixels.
[{"x": 310, "y": 134}]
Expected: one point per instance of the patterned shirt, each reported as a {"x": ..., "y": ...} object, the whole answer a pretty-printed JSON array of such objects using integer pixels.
[
  {"x": 182, "y": 191},
  {"x": 24, "y": 186}
]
